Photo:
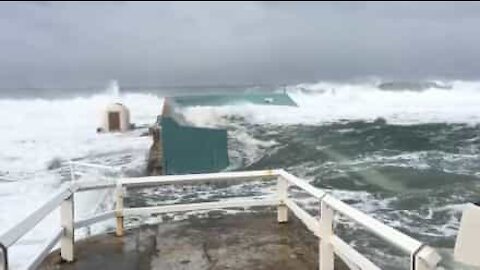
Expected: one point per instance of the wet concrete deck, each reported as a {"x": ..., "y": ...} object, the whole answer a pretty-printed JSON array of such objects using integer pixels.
[{"x": 242, "y": 241}]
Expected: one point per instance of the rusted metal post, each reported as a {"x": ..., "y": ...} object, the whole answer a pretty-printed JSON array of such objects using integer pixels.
[
  {"x": 68, "y": 237},
  {"x": 119, "y": 210}
]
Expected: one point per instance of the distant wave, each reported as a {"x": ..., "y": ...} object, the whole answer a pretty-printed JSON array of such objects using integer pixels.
[{"x": 330, "y": 102}]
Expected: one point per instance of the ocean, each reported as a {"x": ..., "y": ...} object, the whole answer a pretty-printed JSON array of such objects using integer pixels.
[{"x": 409, "y": 157}]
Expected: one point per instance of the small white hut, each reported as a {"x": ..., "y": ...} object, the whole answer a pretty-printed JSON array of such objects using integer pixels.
[{"x": 116, "y": 118}]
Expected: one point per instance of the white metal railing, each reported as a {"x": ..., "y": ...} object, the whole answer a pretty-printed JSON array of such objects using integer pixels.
[
  {"x": 79, "y": 168},
  {"x": 422, "y": 257}
]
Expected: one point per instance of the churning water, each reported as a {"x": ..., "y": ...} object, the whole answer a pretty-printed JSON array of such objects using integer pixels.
[{"x": 408, "y": 157}]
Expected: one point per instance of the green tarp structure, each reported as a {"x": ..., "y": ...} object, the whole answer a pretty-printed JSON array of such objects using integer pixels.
[{"x": 190, "y": 149}]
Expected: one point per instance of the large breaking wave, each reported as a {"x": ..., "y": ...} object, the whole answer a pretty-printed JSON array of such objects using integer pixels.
[{"x": 331, "y": 102}]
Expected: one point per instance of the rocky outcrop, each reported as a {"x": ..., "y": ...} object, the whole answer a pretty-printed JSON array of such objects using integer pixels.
[{"x": 155, "y": 156}]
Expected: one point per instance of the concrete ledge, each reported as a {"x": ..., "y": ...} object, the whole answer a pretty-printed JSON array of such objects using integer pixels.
[{"x": 241, "y": 241}]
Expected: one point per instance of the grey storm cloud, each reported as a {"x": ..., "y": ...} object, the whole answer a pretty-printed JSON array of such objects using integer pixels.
[{"x": 193, "y": 43}]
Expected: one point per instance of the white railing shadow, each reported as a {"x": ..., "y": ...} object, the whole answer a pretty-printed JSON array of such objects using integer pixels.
[{"x": 422, "y": 257}]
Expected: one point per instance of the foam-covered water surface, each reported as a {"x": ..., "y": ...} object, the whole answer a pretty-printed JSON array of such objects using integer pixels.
[
  {"x": 408, "y": 157},
  {"x": 38, "y": 134}
]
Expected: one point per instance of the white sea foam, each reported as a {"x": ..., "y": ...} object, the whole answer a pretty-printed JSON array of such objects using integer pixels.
[
  {"x": 35, "y": 132},
  {"x": 329, "y": 102}
]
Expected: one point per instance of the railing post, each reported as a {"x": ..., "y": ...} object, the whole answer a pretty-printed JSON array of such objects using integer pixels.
[
  {"x": 424, "y": 258},
  {"x": 326, "y": 255},
  {"x": 3, "y": 257},
  {"x": 72, "y": 171},
  {"x": 68, "y": 237},
  {"x": 119, "y": 209},
  {"x": 282, "y": 191}
]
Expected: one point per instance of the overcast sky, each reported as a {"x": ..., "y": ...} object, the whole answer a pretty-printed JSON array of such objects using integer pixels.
[{"x": 84, "y": 44}]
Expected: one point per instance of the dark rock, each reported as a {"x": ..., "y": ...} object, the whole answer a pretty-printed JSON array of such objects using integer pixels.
[
  {"x": 54, "y": 164},
  {"x": 155, "y": 156}
]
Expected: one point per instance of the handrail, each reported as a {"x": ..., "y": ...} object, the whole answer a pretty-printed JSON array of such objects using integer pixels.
[
  {"x": 315, "y": 192},
  {"x": 11, "y": 236},
  {"x": 395, "y": 237},
  {"x": 197, "y": 206},
  {"x": 422, "y": 257},
  {"x": 351, "y": 255},
  {"x": 404, "y": 242},
  {"x": 96, "y": 166},
  {"x": 52, "y": 241},
  {"x": 389, "y": 234},
  {"x": 95, "y": 219},
  {"x": 310, "y": 222},
  {"x": 95, "y": 185},
  {"x": 59, "y": 198},
  {"x": 195, "y": 178}
]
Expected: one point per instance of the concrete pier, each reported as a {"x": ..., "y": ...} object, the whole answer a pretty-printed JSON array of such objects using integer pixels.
[{"x": 241, "y": 241}]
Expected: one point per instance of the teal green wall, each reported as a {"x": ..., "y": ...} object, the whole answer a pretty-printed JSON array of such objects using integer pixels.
[{"x": 189, "y": 149}]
